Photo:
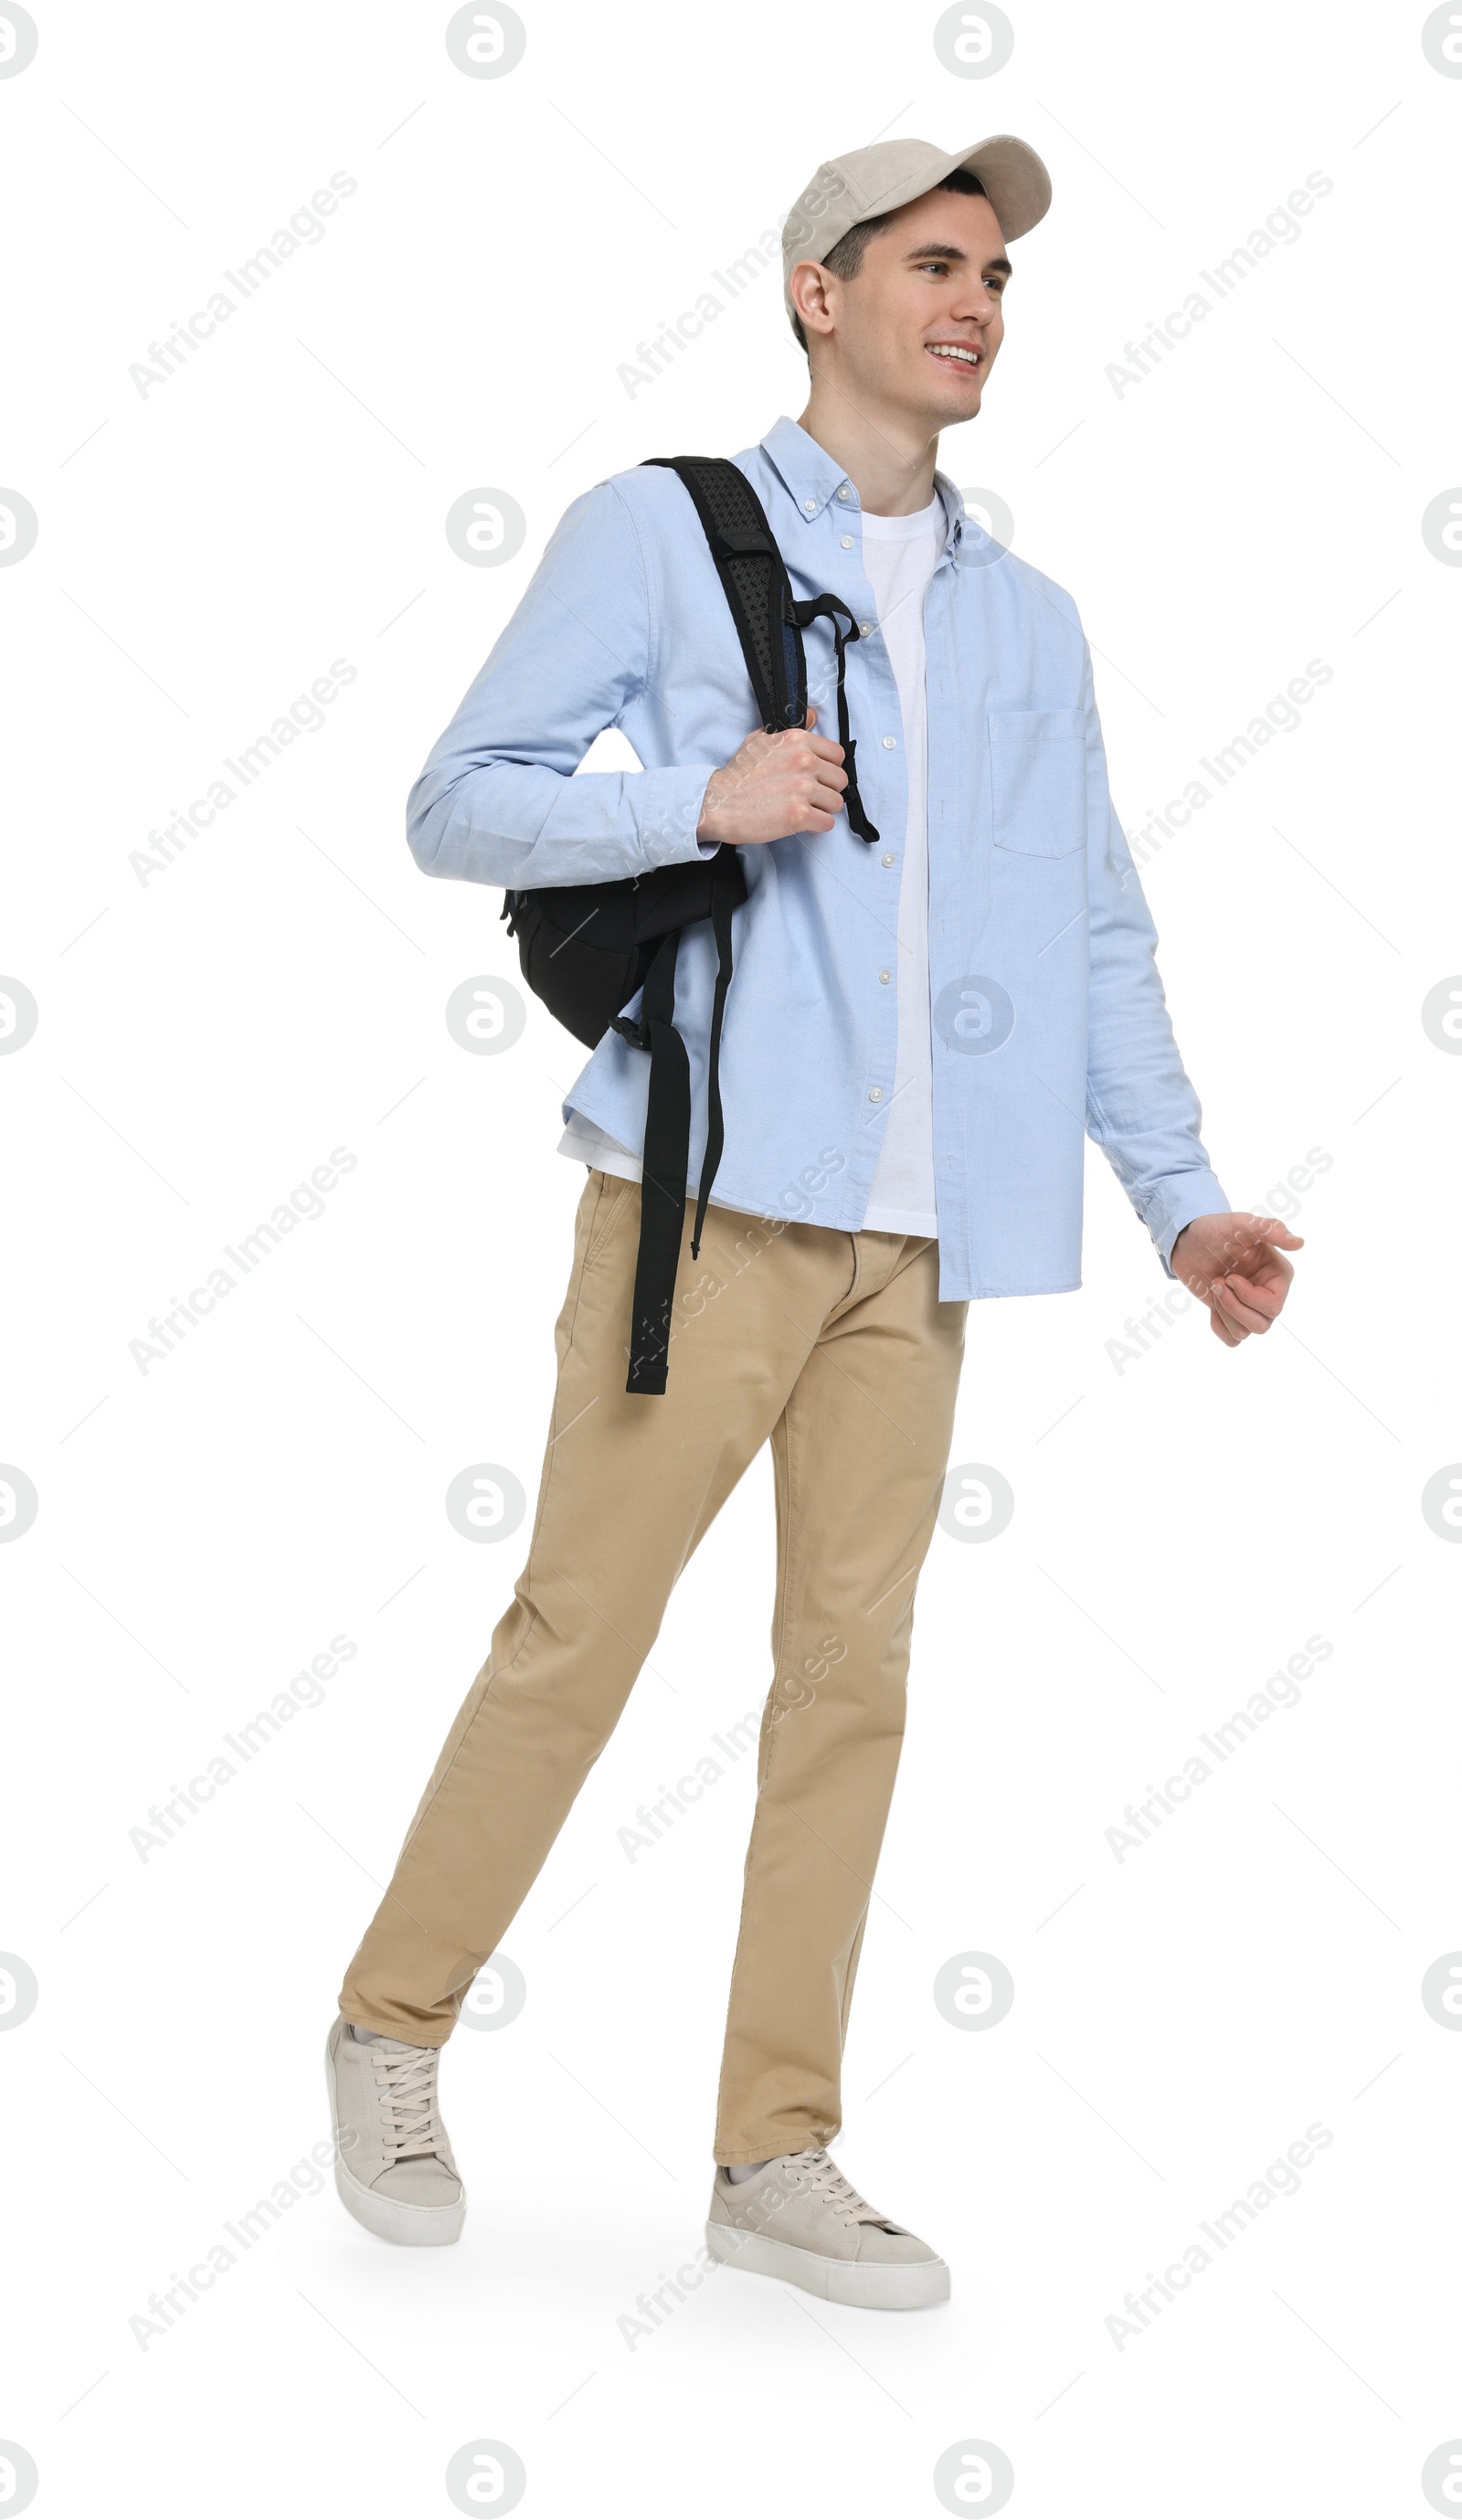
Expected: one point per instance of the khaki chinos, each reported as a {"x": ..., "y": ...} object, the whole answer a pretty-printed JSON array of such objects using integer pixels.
[{"x": 836, "y": 1348}]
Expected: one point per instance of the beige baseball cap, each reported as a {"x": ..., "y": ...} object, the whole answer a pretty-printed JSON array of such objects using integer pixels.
[{"x": 869, "y": 182}]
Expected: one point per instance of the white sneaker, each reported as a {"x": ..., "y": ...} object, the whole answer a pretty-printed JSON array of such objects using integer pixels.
[
  {"x": 393, "y": 2167},
  {"x": 800, "y": 2219}
]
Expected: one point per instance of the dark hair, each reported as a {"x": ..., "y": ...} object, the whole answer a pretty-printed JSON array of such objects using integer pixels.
[{"x": 845, "y": 261}]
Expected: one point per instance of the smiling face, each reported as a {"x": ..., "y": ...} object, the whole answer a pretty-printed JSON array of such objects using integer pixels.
[{"x": 917, "y": 328}]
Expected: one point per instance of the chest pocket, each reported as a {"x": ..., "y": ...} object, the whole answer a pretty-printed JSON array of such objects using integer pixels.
[{"x": 1039, "y": 781}]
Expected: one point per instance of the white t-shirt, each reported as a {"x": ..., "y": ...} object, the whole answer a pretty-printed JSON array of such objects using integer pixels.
[{"x": 899, "y": 556}]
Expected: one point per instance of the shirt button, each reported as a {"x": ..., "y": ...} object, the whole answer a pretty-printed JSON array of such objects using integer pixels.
[
  {"x": 876, "y": 1093},
  {"x": 890, "y": 744},
  {"x": 810, "y": 506},
  {"x": 865, "y": 629},
  {"x": 887, "y": 860},
  {"x": 846, "y": 541},
  {"x": 843, "y": 493},
  {"x": 884, "y": 976}
]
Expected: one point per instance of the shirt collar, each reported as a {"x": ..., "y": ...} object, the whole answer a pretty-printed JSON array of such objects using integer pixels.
[{"x": 814, "y": 481}]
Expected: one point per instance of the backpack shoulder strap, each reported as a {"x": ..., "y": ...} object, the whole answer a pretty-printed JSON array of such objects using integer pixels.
[{"x": 753, "y": 577}]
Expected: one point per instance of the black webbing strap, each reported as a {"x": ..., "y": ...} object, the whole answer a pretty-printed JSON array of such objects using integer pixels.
[
  {"x": 834, "y": 610},
  {"x": 667, "y": 1119},
  {"x": 721, "y": 907},
  {"x": 664, "y": 1173}
]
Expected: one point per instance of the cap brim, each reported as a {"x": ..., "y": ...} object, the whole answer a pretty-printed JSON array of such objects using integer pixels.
[{"x": 1016, "y": 181}]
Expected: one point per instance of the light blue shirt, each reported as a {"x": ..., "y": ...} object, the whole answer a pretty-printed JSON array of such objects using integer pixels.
[{"x": 1048, "y": 1012}]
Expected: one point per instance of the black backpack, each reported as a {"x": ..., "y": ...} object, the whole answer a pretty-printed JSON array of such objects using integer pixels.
[{"x": 585, "y": 948}]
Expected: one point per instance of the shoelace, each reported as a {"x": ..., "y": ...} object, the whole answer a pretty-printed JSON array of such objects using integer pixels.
[
  {"x": 410, "y": 2075},
  {"x": 820, "y": 2171}
]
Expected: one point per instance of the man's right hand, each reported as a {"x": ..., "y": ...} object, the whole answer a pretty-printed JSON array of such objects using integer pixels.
[{"x": 774, "y": 785}]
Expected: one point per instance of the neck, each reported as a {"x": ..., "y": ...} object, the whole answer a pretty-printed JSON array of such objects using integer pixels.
[{"x": 888, "y": 455}]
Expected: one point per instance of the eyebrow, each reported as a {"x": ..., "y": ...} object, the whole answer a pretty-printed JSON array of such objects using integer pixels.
[{"x": 956, "y": 254}]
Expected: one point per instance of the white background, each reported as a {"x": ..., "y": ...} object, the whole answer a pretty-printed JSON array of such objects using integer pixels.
[{"x": 1182, "y": 1525}]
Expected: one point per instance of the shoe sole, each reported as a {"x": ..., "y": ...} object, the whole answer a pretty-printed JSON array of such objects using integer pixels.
[
  {"x": 917, "y": 2285},
  {"x": 388, "y": 2218}
]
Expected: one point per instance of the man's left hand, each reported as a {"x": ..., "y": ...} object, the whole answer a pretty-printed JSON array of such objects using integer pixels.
[{"x": 1236, "y": 1265}]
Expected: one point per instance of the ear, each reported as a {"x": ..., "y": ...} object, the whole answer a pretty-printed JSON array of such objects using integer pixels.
[{"x": 810, "y": 286}]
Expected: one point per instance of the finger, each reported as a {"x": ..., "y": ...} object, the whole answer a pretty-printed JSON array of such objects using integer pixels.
[
  {"x": 817, "y": 748},
  {"x": 1236, "y": 1313},
  {"x": 1221, "y": 1330},
  {"x": 1269, "y": 1229},
  {"x": 1254, "y": 1325},
  {"x": 1259, "y": 1299}
]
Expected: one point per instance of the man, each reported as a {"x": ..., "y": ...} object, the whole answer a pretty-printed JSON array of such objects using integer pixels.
[{"x": 918, "y": 1031}]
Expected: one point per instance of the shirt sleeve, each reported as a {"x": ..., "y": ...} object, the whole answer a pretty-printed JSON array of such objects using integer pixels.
[
  {"x": 497, "y": 802},
  {"x": 1141, "y": 1110}
]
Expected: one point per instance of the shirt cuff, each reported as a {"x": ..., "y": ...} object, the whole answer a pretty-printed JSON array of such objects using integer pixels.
[
  {"x": 669, "y": 803},
  {"x": 1194, "y": 1194}
]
